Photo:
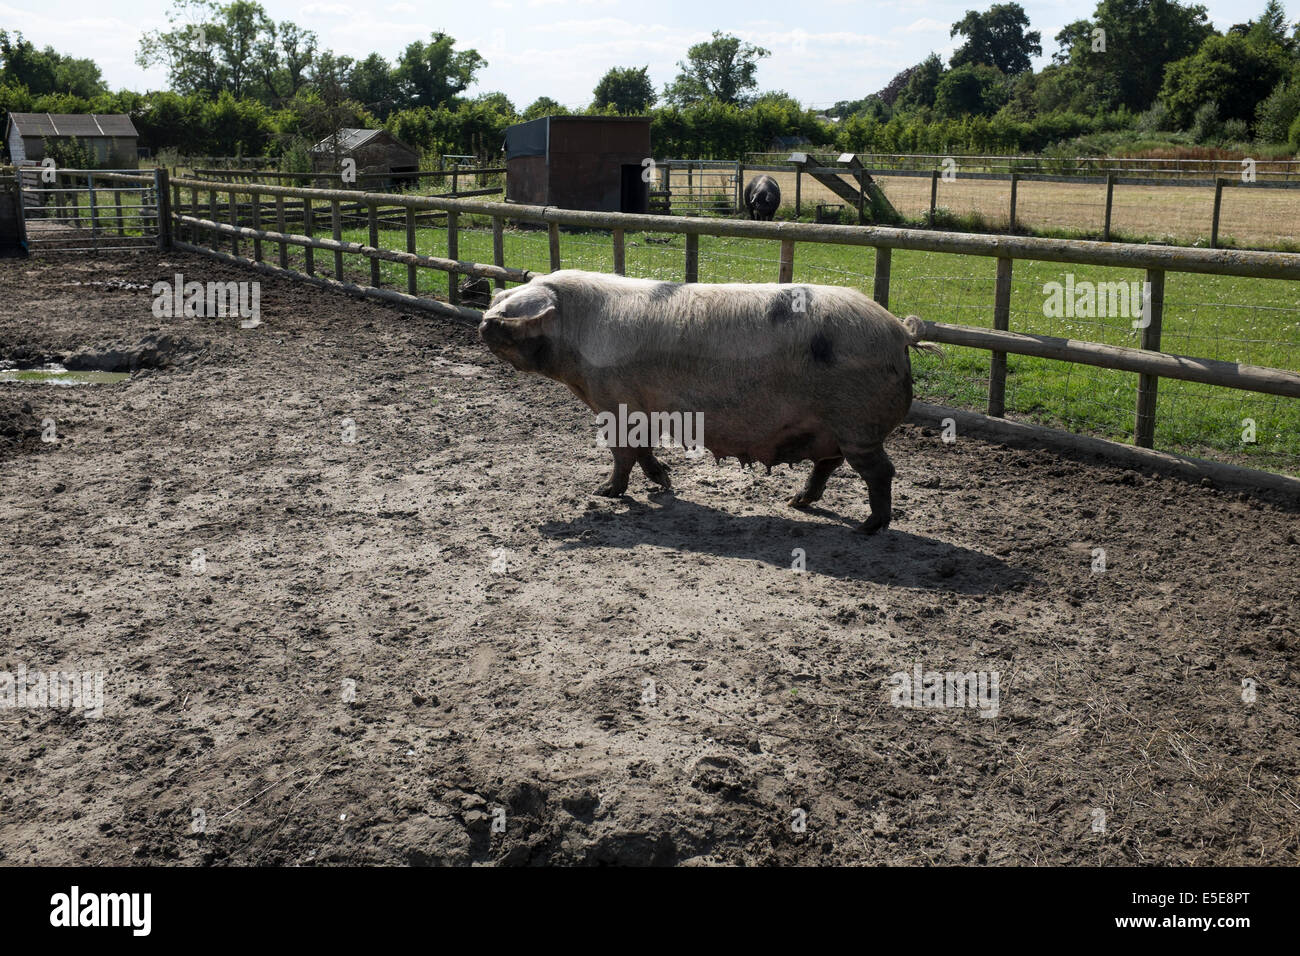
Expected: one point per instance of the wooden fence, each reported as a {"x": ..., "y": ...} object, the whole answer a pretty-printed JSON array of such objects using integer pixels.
[{"x": 1148, "y": 362}]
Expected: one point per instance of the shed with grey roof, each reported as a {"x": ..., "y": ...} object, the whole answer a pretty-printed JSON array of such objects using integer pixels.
[{"x": 110, "y": 138}]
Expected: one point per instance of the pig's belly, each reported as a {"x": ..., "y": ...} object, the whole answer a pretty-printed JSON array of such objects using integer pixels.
[{"x": 769, "y": 440}]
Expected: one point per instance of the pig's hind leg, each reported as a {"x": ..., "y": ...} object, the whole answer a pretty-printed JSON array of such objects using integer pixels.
[
  {"x": 616, "y": 485},
  {"x": 654, "y": 469},
  {"x": 816, "y": 484},
  {"x": 878, "y": 471}
]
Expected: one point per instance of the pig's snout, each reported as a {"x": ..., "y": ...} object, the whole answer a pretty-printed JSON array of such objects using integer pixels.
[{"x": 493, "y": 332}]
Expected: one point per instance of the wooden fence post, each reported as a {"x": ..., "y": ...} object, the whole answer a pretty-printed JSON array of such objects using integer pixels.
[
  {"x": 234, "y": 219},
  {"x": 1219, "y": 182},
  {"x": 308, "y": 226},
  {"x": 620, "y": 254},
  {"x": 212, "y": 214},
  {"x": 282, "y": 229},
  {"x": 256, "y": 198},
  {"x": 372, "y": 233},
  {"x": 786, "y": 269},
  {"x": 94, "y": 211},
  {"x": 453, "y": 252},
  {"x": 162, "y": 186},
  {"x": 1015, "y": 183},
  {"x": 934, "y": 195},
  {"x": 692, "y": 257},
  {"x": 498, "y": 248},
  {"x": 1110, "y": 202},
  {"x": 1145, "y": 424},
  {"x": 336, "y": 231},
  {"x": 1001, "y": 322},
  {"x": 410, "y": 247},
  {"x": 117, "y": 210},
  {"x": 798, "y": 191},
  {"x": 554, "y": 236},
  {"x": 880, "y": 283},
  {"x": 862, "y": 194},
  {"x": 740, "y": 186}
]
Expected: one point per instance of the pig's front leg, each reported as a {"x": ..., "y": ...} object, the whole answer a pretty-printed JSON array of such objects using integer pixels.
[
  {"x": 654, "y": 469},
  {"x": 812, "y": 491},
  {"x": 624, "y": 459}
]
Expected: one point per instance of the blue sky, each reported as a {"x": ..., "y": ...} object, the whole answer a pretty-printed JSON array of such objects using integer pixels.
[{"x": 822, "y": 50}]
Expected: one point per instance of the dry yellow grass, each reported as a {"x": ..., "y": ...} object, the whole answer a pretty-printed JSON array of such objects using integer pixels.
[{"x": 1250, "y": 217}]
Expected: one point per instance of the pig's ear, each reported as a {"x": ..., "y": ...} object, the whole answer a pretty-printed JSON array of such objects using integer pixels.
[{"x": 534, "y": 313}]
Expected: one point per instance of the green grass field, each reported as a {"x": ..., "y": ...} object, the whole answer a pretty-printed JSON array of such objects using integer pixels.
[{"x": 1231, "y": 319}]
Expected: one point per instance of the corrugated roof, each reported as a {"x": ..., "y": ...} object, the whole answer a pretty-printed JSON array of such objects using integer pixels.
[
  {"x": 73, "y": 124},
  {"x": 348, "y": 138}
]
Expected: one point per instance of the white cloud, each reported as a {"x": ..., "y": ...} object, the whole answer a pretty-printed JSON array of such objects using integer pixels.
[{"x": 925, "y": 25}]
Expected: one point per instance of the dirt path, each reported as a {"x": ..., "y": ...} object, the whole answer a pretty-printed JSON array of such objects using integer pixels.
[{"x": 523, "y": 698}]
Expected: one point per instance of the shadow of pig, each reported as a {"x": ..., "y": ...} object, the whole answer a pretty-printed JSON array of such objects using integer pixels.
[{"x": 903, "y": 559}]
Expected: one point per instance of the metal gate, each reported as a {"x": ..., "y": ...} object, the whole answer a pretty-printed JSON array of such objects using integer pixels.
[
  {"x": 694, "y": 186},
  {"x": 88, "y": 210}
]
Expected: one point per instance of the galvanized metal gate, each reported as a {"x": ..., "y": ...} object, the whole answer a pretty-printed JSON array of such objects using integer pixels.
[
  {"x": 694, "y": 186},
  {"x": 88, "y": 210}
]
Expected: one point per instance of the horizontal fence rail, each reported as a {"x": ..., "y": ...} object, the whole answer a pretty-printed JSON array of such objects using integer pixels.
[{"x": 321, "y": 208}]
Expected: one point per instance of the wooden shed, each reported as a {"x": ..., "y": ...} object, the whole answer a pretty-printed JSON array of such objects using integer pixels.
[
  {"x": 109, "y": 137},
  {"x": 579, "y": 162},
  {"x": 373, "y": 150}
]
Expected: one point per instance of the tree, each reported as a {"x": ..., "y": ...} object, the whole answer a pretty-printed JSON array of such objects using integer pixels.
[
  {"x": 543, "y": 106},
  {"x": 971, "y": 89},
  {"x": 1230, "y": 71},
  {"x": 283, "y": 54},
  {"x": 1271, "y": 27},
  {"x": 374, "y": 85},
  {"x": 211, "y": 48},
  {"x": 433, "y": 73},
  {"x": 627, "y": 89},
  {"x": 1127, "y": 45},
  {"x": 46, "y": 71},
  {"x": 998, "y": 37},
  {"x": 722, "y": 68},
  {"x": 923, "y": 80}
]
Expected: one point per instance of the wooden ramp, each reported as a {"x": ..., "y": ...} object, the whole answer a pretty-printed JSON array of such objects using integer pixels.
[{"x": 867, "y": 197}]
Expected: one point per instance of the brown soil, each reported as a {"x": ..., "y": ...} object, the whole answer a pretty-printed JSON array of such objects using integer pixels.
[{"x": 526, "y": 691}]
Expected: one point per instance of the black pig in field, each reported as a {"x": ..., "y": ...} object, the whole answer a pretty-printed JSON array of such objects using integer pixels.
[
  {"x": 769, "y": 373},
  {"x": 762, "y": 197}
]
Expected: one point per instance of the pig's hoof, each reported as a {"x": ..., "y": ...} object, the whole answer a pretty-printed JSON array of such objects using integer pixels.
[
  {"x": 873, "y": 524},
  {"x": 611, "y": 490},
  {"x": 801, "y": 502}
]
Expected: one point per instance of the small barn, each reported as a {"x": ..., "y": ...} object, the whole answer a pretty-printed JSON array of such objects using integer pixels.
[
  {"x": 109, "y": 137},
  {"x": 579, "y": 162},
  {"x": 373, "y": 150}
]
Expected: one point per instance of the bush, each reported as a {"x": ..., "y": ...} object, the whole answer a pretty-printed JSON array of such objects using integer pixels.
[
  {"x": 1235, "y": 131},
  {"x": 1276, "y": 112},
  {"x": 1205, "y": 123}
]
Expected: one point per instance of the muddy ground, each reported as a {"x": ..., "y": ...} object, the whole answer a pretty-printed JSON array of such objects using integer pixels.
[{"x": 543, "y": 676}]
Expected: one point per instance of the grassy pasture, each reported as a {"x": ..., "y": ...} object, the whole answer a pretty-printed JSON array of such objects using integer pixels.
[{"x": 1227, "y": 318}]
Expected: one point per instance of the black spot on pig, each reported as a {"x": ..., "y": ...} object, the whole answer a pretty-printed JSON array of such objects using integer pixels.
[
  {"x": 822, "y": 348},
  {"x": 787, "y": 304},
  {"x": 663, "y": 291}
]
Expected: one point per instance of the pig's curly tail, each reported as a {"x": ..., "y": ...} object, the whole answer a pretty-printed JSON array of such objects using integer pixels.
[{"x": 916, "y": 328}]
